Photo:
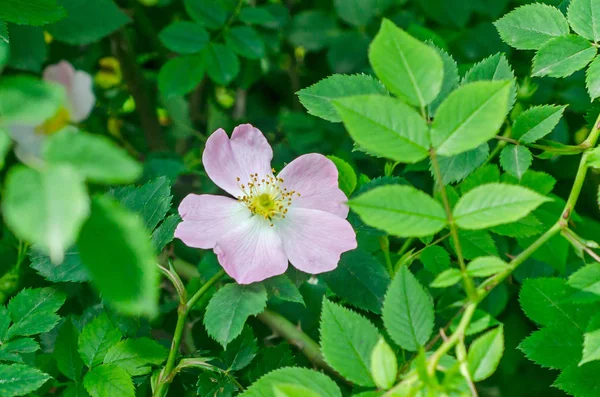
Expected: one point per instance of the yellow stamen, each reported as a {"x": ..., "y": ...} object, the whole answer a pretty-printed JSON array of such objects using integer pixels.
[
  {"x": 266, "y": 198},
  {"x": 55, "y": 123}
]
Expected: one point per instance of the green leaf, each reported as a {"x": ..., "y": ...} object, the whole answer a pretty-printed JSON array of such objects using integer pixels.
[
  {"x": 475, "y": 243},
  {"x": 229, "y": 308},
  {"x": 312, "y": 380},
  {"x": 317, "y": 99},
  {"x": 531, "y": 26},
  {"x": 587, "y": 281},
  {"x": 272, "y": 16},
  {"x": 486, "y": 266},
  {"x": 208, "y": 13},
  {"x": 39, "y": 212},
  {"x": 136, "y": 355},
  {"x": 184, "y": 37},
  {"x": 400, "y": 210},
  {"x": 554, "y": 347},
  {"x": 584, "y": 18},
  {"x": 96, "y": 338},
  {"x": 27, "y": 49},
  {"x": 5, "y": 145},
  {"x": 480, "y": 322},
  {"x": 360, "y": 280},
  {"x": 165, "y": 233},
  {"x": 347, "y": 340},
  {"x": 95, "y": 157},
  {"x": 87, "y": 21},
  {"x": 5, "y": 321},
  {"x": 151, "y": 200},
  {"x": 71, "y": 269},
  {"x": 10, "y": 351},
  {"x": 347, "y": 179},
  {"x": 458, "y": 167},
  {"x": 563, "y": 56},
  {"x": 579, "y": 380},
  {"x": 180, "y": 75},
  {"x": 494, "y": 204},
  {"x": 33, "y": 311},
  {"x": 313, "y": 30},
  {"x": 592, "y": 79},
  {"x": 38, "y": 12},
  {"x": 65, "y": 351},
  {"x": 108, "y": 380},
  {"x": 447, "y": 278},
  {"x": 385, "y": 127},
  {"x": 222, "y": 65},
  {"x": 240, "y": 351},
  {"x": 215, "y": 384},
  {"x": 281, "y": 287},
  {"x": 20, "y": 380},
  {"x": 470, "y": 116},
  {"x": 435, "y": 259},
  {"x": 356, "y": 12},
  {"x": 397, "y": 58},
  {"x": 3, "y": 32},
  {"x": 75, "y": 390},
  {"x": 485, "y": 354},
  {"x": 495, "y": 67},
  {"x": 384, "y": 365},
  {"x": 516, "y": 160},
  {"x": 245, "y": 41},
  {"x": 293, "y": 391},
  {"x": 449, "y": 82},
  {"x": 525, "y": 227},
  {"x": 536, "y": 122},
  {"x": 408, "y": 311},
  {"x": 591, "y": 341},
  {"x": 131, "y": 256},
  {"x": 27, "y": 100}
]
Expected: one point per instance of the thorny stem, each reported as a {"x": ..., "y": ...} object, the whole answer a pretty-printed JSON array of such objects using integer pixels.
[{"x": 467, "y": 281}]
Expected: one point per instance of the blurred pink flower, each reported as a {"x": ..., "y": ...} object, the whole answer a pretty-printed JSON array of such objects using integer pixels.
[
  {"x": 298, "y": 215},
  {"x": 78, "y": 106}
]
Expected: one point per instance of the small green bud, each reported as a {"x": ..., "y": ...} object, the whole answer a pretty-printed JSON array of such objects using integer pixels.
[{"x": 384, "y": 365}]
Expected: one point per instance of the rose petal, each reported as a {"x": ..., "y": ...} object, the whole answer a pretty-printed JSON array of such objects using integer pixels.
[
  {"x": 61, "y": 73},
  {"x": 252, "y": 252},
  {"x": 207, "y": 218},
  {"x": 314, "y": 240},
  {"x": 81, "y": 96},
  {"x": 315, "y": 177},
  {"x": 247, "y": 152}
]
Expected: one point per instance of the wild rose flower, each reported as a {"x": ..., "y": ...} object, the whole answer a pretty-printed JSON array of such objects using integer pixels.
[
  {"x": 79, "y": 104},
  {"x": 298, "y": 215}
]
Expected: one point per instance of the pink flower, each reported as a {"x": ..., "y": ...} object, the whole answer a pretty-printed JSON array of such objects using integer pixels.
[{"x": 298, "y": 215}]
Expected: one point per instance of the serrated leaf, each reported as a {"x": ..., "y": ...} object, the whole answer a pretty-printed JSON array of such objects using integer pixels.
[
  {"x": 245, "y": 41},
  {"x": 485, "y": 354},
  {"x": 20, "y": 380},
  {"x": 449, "y": 82},
  {"x": 215, "y": 384},
  {"x": 536, "y": 122},
  {"x": 591, "y": 341},
  {"x": 486, "y": 266},
  {"x": 312, "y": 380},
  {"x": 39, "y": 212},
  {"x": 131, "y": 256},
  {"x": 408, "y": 311},
  {"x": 516, "y": 160},
  {"x": 397, "y": 59},
  {"x": 10, "y": 351},
  {"x": 222, "y": 65},
  {"x": 495, "y": 67},
  {"x": 384, "y": 365},
  {"x": 592, "y": 79},
  {"x": 531, "y": 26},
  {"x": 229, "y": 308},
  {"x": 587, "y": 283},
  {"x": 494, "y": 204},
  {"x": 71, "y": 269},
  {"x": 458, "y": 167},
  {"x": 400, "y": 210},
  {"x": 347, "y": 178},
  {"x": 584, "y": 18},
  {"x": 293, "y": 391},
  {"x": 208, "y": 13},
  {"x": 65, "y": 351},
  {"x": 75, "y": 390},
  {"x": 563, "y": 56},
  {"x": 165, "y": 232},
  {"x": 96, "y": 338},
  {"x": 39, "y": 12},
  {"x": 180, "y": 75},
  {"x": 96, "y": 158},
  {"x": 579, "y": 380},
  {"x": 184, "y": 37},
  {"x": 347, "y": 340},
  {"x": 385, "y": 127},
  {"x": 470, "y": 116},
  {"x": 317, "y": 99},
  {"x": 281, "y": 287},
  {"x": 87, "y": 21},
  {"x": 489, "y": 173},
  {"x": 446, "y": 279},
  {"x": 33, "y": 311},
  {"x": 136, "y": 355},
  {"x": 525, "y": 227},
  {"x": 435, "y": 259},
  {"x": 360, "y": 280},
  {"x": 240, "y": 351},
  {"x": 553, "y": 347},
  {"x": 480, "y": 322},
  {"x": 108, "y": 380},
  {"x": 475, "y": 243}
]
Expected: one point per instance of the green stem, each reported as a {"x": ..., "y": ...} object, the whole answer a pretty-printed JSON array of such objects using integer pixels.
[
  {"x": 384, "y": 242},
  {"x": 461, "y": 355},
  {"x": 212, "y": 281},
  {"x": 467, "y": 281}
]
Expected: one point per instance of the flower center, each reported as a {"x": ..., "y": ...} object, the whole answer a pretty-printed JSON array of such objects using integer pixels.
[
  {"x": 55, "y": 123},
  {"x": 264, "y": 196}
]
